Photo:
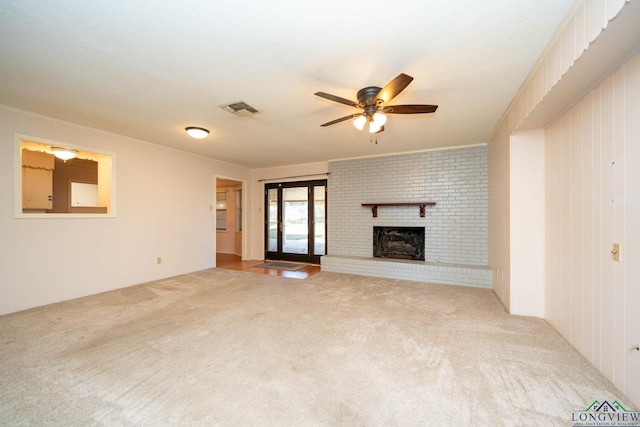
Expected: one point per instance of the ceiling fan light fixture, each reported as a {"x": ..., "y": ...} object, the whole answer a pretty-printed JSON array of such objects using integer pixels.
[
  {"x": 197, "y": 132},
  {"x": 359, "y": 122},
  {"x": 64, "y": 153},
  {"x": 373, "y": 100},
  {"x": 374, "y": 127},
  {"x": 379, "y": 119}
]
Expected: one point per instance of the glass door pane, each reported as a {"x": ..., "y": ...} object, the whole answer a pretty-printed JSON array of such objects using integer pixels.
[
  {"x": 319, "y": 221},
  {"x": 295, "y": 219},
  {"x": 272, "y": 220},
  {"x": 221, "y": 210}
]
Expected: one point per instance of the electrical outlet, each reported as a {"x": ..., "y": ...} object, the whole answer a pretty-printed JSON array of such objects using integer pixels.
[
  {"x": 159, "y": 260},
  {"x": 615, "y": 252}
]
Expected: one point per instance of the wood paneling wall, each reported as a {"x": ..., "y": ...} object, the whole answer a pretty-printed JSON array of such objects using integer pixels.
[
  {"x": 590, "y": 201},
  {"x": 593, "y": 200},
  {"x": 584, "y": 26}
]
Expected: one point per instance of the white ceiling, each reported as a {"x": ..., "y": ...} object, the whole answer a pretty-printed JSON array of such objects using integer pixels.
[{"x": 148, "y": 69}]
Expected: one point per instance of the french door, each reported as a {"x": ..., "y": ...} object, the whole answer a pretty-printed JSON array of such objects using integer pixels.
[{"x": 295, "y": 220}]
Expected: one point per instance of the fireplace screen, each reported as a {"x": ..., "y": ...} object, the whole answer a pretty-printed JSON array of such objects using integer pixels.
[{"x": 398, "y": 242}]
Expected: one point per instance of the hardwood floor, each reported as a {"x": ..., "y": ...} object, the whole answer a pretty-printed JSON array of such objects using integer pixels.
[{"x": 233, "y": 262}]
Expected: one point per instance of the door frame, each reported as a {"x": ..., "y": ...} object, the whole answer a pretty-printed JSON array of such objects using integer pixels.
[
  {"x": 245, "y": 228},
  {"x": 310, "y": 256}
]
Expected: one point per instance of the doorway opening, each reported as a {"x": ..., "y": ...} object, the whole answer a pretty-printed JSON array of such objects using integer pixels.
[
  {"x": 229, "y": 217},
  {"x": 295, "y": 221}
]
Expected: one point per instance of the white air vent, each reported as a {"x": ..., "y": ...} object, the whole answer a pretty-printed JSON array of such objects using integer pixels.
[{"x": 240, "y": 108}]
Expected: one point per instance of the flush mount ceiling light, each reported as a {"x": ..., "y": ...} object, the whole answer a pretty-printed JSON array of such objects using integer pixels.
[
  {"x": 64, "y": 153},
  {"x": 196, "y": 132}
]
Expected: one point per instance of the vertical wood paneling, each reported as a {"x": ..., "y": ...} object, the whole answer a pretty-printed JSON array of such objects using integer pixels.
[
  {"x": 613, "y": 8},
  {"x": 568, "y": 41},
  {"x": 595, "y": 18},
  {"x": 606, "y": 200},
  {"x": 557, "y": 63},
  {"x": 590, "y": 151},
  {"x": 590, "y": 18},
  {"x": 618, "y": 166},
  {"x": 581, "y": 39},
  {"x": 517, "y": 109},
  {"x": 553, "y": 167},
  {"x": 540, "y": 86},
  {"x": 575, "y": 239},
  {"x": 588, "y": 326},
  {"x": 591, "y": 300},
  {"x": 530, "y": 96},
  {"x": 548, "y": 73},
  {"x": 565, "y": 232},
  {"x": 596, "y": 181},
  {"x": 631, "y": 248}
]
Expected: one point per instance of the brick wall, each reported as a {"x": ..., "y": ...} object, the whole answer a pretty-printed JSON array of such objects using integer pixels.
[{"x": 456, "y": 179}]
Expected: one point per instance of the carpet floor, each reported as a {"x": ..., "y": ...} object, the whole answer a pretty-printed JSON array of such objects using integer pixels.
[{"x": 220, "y": 347}]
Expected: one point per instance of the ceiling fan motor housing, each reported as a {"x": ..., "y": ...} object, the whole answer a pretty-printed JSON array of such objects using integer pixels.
[{"x": 367, "y": 96}]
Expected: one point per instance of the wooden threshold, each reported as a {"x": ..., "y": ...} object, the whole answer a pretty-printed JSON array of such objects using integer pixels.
[{"x": 234, "y": 262}]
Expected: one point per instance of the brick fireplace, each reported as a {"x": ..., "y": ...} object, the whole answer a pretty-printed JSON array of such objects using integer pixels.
[
  {"x": 398, "y": 243},
  {"x": 455, "y": 227}
]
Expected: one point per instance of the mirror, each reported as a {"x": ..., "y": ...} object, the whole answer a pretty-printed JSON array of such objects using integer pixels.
[{"x": 75, "y": 181}]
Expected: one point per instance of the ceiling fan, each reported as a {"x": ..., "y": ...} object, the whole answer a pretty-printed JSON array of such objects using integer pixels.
[{"x": 372, "y": 100}]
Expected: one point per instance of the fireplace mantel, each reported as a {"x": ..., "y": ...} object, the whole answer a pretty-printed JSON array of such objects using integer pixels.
[{"x": 422, "y": 205}]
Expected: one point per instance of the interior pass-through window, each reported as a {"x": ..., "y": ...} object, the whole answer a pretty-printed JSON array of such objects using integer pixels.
[{"x": 58, "y": 179}]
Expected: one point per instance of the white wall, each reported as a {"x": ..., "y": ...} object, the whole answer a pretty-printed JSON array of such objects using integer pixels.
[
  {"x": 526, "y": 233},
  {"x": 164, "y": 209}
]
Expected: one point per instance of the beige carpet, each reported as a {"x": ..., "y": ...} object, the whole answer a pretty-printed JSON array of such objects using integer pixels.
[{"x": 220, "y": 347}]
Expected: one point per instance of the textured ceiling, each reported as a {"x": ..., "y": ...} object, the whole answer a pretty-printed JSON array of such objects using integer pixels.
[{"x": 149, "y": 69}]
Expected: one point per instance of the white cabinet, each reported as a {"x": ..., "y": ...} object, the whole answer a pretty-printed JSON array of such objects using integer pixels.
[{"x": 37, "y": 180}]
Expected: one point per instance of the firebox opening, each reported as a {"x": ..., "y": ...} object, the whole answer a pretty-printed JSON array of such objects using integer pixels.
[{"x": 398, "y": 242}]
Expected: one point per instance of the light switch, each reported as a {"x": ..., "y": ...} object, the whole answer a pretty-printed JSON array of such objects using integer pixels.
[{"x": 615, "y": 252}]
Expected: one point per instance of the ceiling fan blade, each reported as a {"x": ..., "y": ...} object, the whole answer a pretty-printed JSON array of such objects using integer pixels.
[
  {"x": 409, "y": 109},
  {"x": 338, "y": 99},
  {"x": 341, "y": 119},
  {"x": 393, "y": 88}
]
